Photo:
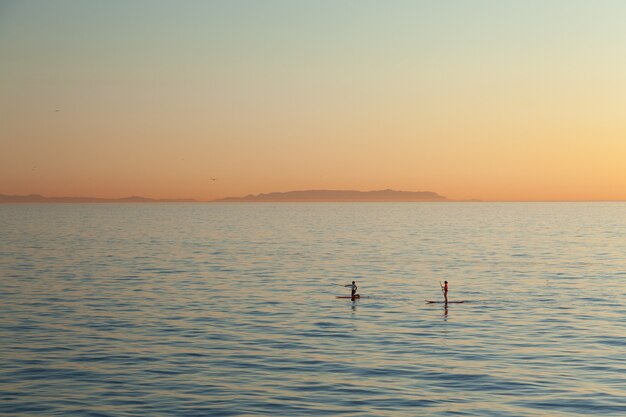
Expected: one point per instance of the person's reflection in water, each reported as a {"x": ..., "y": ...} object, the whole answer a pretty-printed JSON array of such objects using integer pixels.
[{"x": 445, "y": 312}]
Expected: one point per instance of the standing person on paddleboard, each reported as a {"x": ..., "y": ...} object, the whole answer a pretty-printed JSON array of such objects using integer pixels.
[
  {"x": 354, "y": 288},
  {"x": 444, "y": 288}
]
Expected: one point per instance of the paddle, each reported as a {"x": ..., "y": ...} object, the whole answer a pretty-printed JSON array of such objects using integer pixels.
[{"x": 349, "y": 285}]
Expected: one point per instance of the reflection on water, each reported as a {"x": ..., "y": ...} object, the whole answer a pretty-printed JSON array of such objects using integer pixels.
[{"x": 226, "y": 309}]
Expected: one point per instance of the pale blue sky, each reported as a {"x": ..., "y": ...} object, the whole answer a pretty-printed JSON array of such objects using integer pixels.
[{"x": 461, "y": 97}]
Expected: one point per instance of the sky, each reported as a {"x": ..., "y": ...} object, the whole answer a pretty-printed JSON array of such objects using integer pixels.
[{"x": 483, "y": 99}]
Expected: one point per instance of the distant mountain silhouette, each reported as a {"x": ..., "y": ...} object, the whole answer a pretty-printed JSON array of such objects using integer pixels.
[
  {"x": 36, "y": 198},
  {"x": 340, "y": 196}
]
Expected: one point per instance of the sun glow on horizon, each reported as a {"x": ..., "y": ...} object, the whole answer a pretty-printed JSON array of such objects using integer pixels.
[{"x": 480, "y": 100}]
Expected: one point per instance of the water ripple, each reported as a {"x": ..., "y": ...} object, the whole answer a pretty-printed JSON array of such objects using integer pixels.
[{"x": 230, "y": 310}]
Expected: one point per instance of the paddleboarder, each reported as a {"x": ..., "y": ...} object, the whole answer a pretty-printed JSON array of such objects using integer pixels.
[
  {"x": 444, "y": 290},
  {"x": 354, "y": 288}
]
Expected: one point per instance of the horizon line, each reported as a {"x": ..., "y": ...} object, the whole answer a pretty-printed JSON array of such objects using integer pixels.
[{"x": 135, "y": 199}]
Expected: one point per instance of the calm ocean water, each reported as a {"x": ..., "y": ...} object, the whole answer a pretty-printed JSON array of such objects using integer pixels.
[{"x": 230, "y": 309}]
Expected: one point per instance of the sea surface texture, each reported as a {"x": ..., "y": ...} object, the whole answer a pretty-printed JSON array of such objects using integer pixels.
[{"x": 231, "y": 309}]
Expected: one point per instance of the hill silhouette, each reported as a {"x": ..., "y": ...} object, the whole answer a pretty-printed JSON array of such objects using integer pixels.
[
  {"x": 340, "y": 196},
  {"x": 289, "y": 196},
  {"x": 36, "y": 198}
]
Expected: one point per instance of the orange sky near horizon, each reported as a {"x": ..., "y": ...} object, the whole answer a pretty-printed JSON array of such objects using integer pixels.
[{"x": 485, "y": 100}]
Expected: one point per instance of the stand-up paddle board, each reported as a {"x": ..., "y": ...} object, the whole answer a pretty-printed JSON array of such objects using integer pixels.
[
  {"x": 444, "y": 302},
  {"x": 348, "y": 296}
]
